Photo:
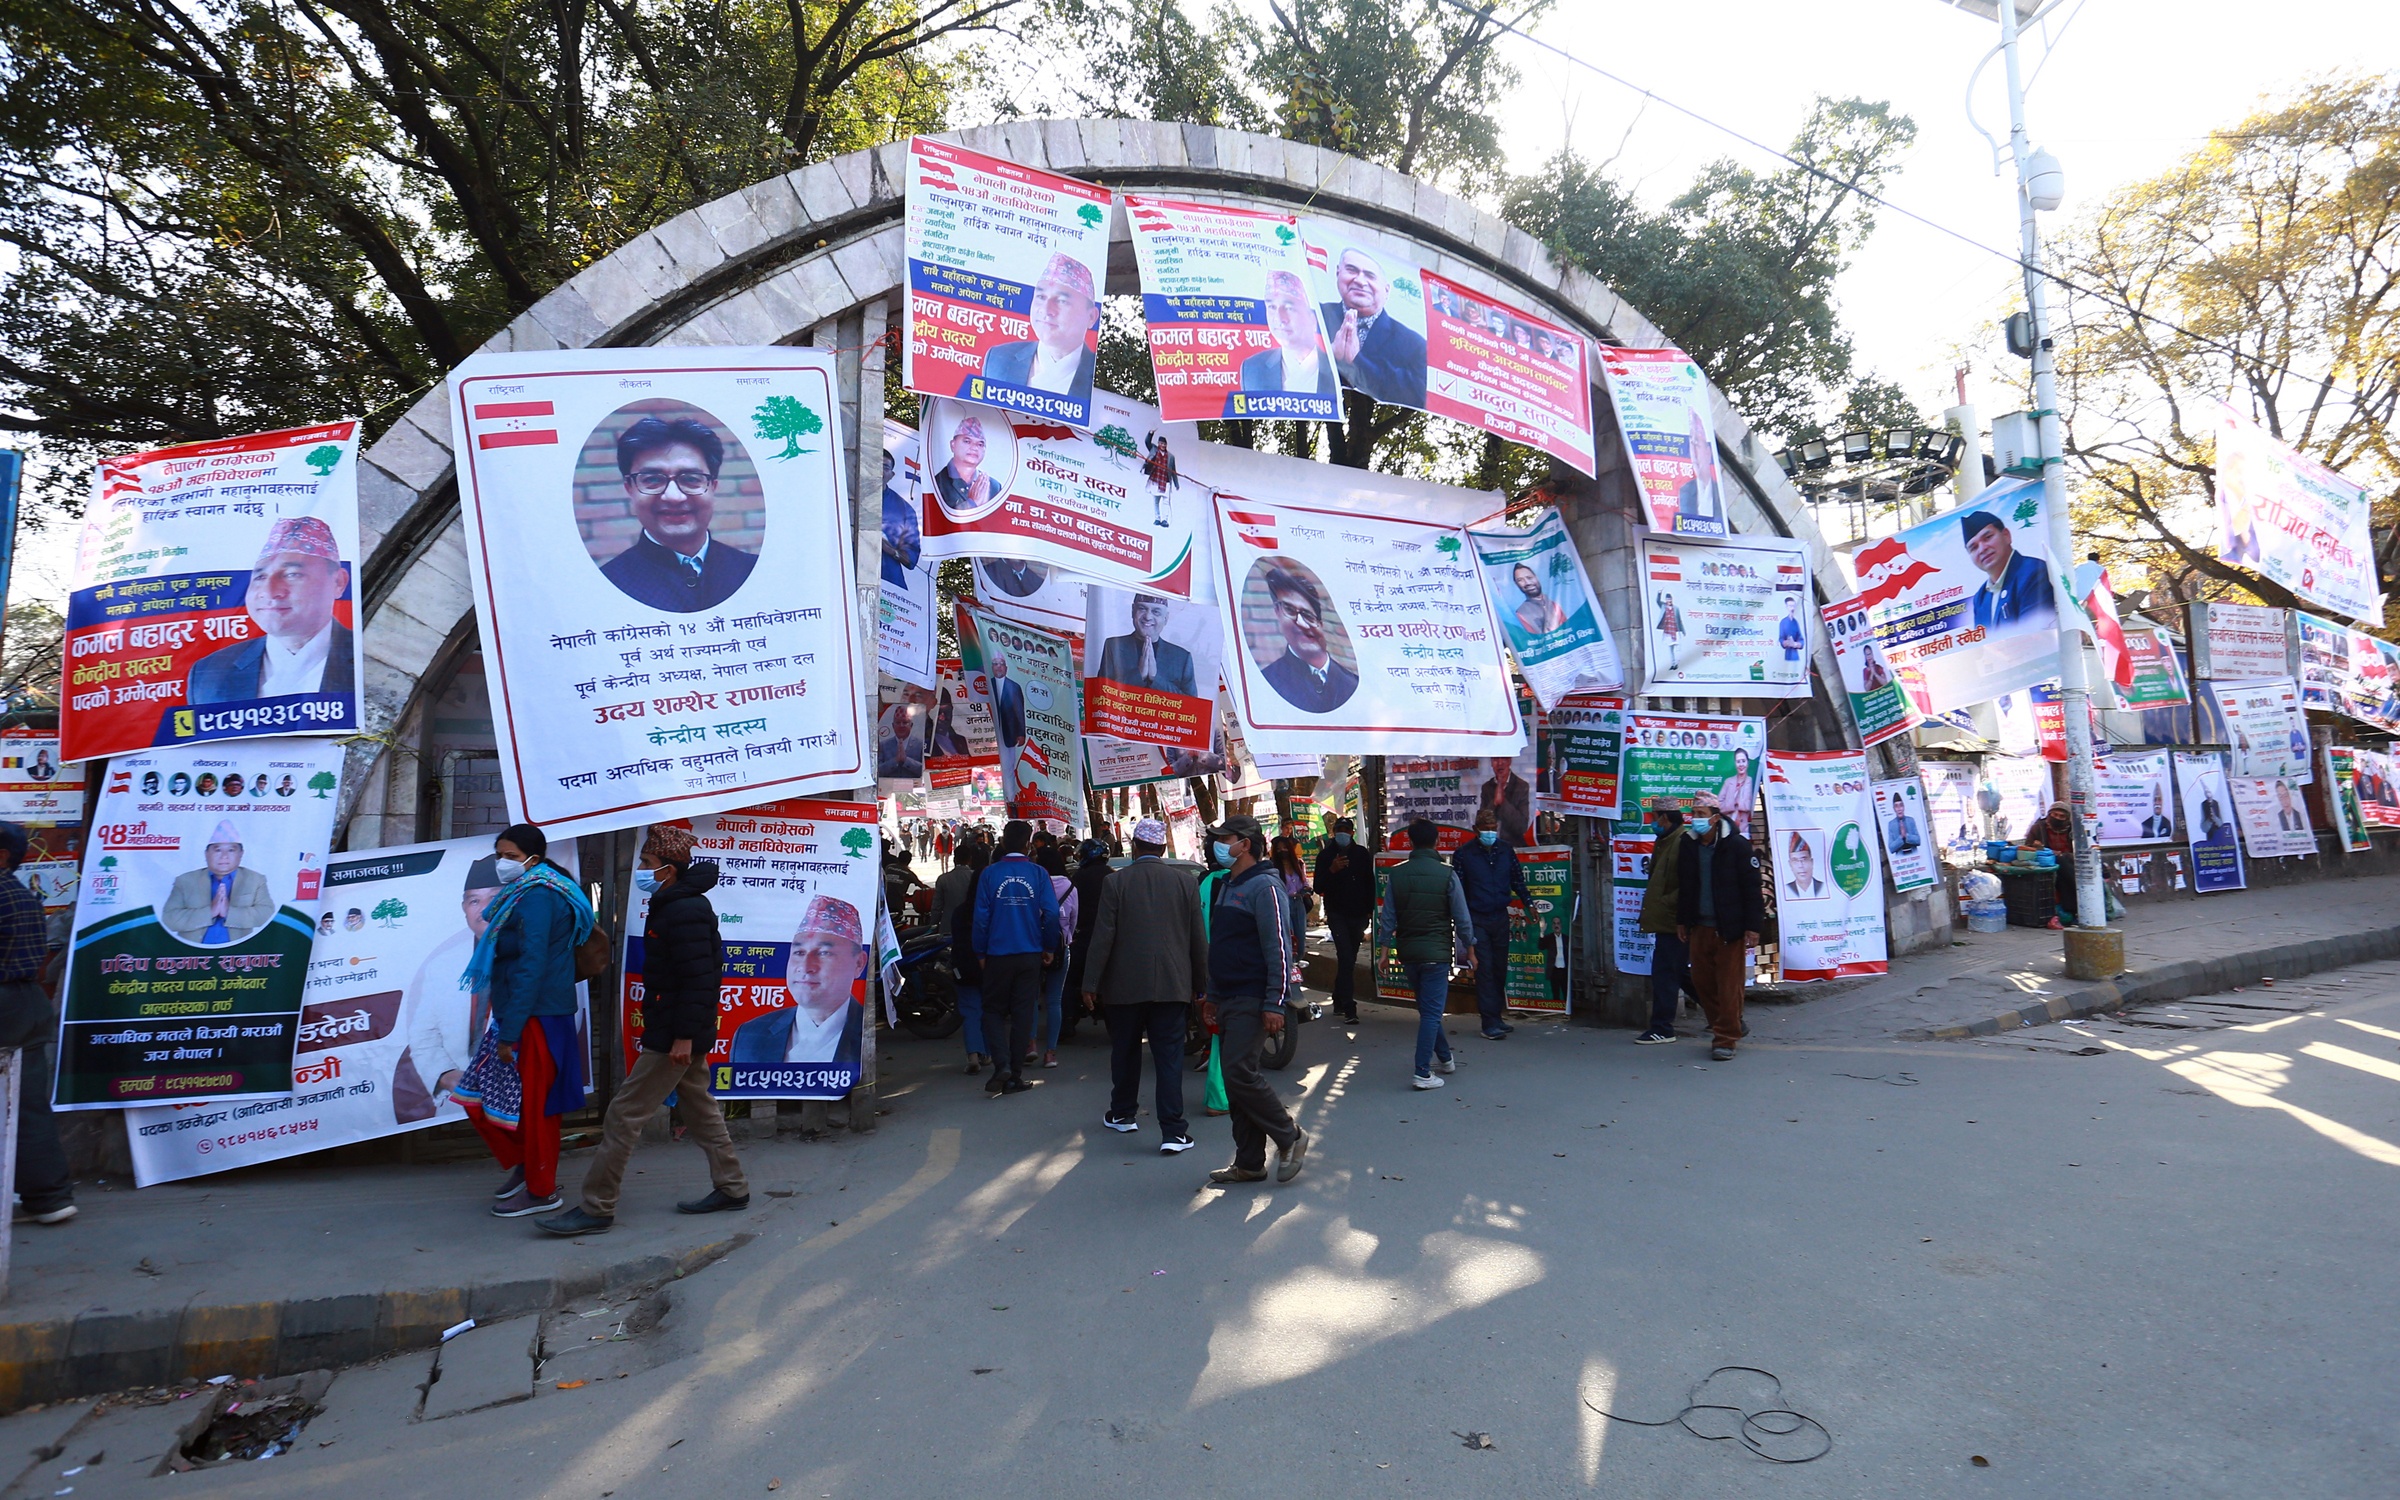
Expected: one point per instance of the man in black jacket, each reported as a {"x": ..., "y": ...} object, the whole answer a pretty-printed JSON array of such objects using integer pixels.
[
  {"x": 1719, "y": 916},
  {"x": 1346, "y": 883},
  {"x": 682, "y": 968}
]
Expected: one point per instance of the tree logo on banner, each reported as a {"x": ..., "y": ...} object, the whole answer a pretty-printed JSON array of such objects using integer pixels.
[
  {"x": 1283, "y": 232},
  {"x": 321, "y": 783},
  {"x": 786, "y": 419},
  {"x": 1850, "y": 863},
  {"x": 1116, "y": 440},
  {"x": 856, "y": 841},
  {"x": 322, "y": 459},
  {"x": 1448, "y": 546},
  {"x": 1092, "y": 214},
  {"x": 389, "y": 911}
]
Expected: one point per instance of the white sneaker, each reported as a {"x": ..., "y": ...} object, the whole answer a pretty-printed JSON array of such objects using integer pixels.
[
  {"x": 1446, "y": 1064},
  {"x": 1121, "y": 1127},
  {"x": 1425, "y": 1081}
]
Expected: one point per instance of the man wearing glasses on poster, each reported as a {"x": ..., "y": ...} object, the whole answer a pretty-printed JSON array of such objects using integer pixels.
[{"x": 670, "y": 469}]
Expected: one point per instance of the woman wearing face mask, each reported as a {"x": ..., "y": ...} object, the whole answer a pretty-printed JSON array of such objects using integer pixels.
[
  {"x": 1294, "y": 875},
  {"x": 1346, "y": 884},
  {"x": 1220, "y": 865},
  {"x": 528, "y": 1067}
]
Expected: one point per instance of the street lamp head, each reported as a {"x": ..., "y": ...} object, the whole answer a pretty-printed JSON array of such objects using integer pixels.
[{"x": 2045, "y": 181}]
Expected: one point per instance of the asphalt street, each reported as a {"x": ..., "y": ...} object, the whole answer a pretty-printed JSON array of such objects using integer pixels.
[{"x": 2119, "y": 1258}]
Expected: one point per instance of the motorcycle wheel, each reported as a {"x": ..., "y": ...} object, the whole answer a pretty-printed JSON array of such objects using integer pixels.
[
  {"x": 1281, "y": 1048},
  {"x": 933, "y": 1014}
]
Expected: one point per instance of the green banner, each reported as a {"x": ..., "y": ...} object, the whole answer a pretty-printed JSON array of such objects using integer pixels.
[{"x": 1537, "y": 926}]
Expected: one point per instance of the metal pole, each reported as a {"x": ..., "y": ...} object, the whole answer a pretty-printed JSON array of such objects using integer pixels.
[{"x": 2091, "y": 907}]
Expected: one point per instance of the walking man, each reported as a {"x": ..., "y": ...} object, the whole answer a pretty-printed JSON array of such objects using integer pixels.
[
  {"x": 1670, "y": 958},
  {"x": 1148, "y": 962},
  {"x": 1251, "y": 952},
  {"x": 1424, "y": 918},
  {"x": 1488, "y": 870},
  {"x": 1346, "y": 883},
  {"x": 683, "y": 970},
  {"x": 1718, "y": 914},
  {"x": 1018, "y": 936}
]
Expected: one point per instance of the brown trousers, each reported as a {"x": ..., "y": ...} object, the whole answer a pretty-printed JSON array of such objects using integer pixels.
[
  {"x": 653, "y": 1076},
  {"x": 1717, "y": 978}
]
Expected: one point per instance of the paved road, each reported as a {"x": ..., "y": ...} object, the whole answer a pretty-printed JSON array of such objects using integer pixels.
[{"x": 2112, "y": 1259}]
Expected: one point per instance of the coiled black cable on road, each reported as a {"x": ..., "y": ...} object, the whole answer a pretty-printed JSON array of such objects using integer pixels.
[{"x": 1755, "y": 1426}]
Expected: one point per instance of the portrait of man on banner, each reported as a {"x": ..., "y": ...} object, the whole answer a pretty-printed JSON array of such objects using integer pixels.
[
  {"x": 1376, "y": 352},
  {"x": 1059, "y": 358},
  {"x": 687, "y": 487},
  {"x": 825, "y": 976},
  {"x": 1300, "y": 661},
  {"x": 1298, "y": 364},
  {"x": 1140, "y": 658},
  {"x": 2016, "y": 592},
  {"x": 300, "y": 648}
]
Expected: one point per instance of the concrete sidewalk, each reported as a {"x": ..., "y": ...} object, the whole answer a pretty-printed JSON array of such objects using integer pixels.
[{"x": 1988, "y": 983}]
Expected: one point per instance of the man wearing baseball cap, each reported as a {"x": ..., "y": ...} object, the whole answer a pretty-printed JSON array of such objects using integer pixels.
[
  {"x": 300, "y": 648},
  {"x": 1059, "y": 358},
  {"x": 1148, "y": 962}
]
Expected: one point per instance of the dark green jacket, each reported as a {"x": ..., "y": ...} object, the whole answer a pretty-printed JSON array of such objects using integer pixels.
[
  {"x": 1422, "y": 903},
  {"x": 1666, "y": 884}
]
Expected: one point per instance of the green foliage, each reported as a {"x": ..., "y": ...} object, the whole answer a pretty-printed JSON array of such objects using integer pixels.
[
  {"x": 30, "y": 656},
  {"x": 389, "y": 910},
  {"x": 786, "y": 419}
]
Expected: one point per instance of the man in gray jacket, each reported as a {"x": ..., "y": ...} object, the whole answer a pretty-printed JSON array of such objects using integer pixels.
[
  {"x": 1148, "y": 963},
  {"x": 1251, "y": 953}
]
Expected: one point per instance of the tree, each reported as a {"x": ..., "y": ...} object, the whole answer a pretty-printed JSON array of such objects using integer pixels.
[
  {"x": 323, "y": 459},
  {"x": 858, "y": 841},
  {"x": 321, "y": 783},
  {"x": 788, "y": 419},
  {"x": 2265, "y": 265},
  {"x": 30, "y": 657},
  {"x": 389, "y": 911}
]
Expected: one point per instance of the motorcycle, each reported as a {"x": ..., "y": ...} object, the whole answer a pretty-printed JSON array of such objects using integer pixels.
[{"x": 927, "y": 999}]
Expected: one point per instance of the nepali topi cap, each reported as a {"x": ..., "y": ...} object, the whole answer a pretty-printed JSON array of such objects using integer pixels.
[
  {"x": 1069, "y": 274},
  {"x": 1150, "y": 831},
  {"x": 834, "y": 917},
  {"x": 305, "y": 535}
]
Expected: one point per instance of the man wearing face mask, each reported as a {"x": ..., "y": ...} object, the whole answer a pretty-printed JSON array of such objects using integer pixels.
[
  {"x": 1251, "y": 950},
  {"x": 1719, "y": 913},
  {"x": 1345, "y": 882},
  {"x": 1489, "y": 873}
]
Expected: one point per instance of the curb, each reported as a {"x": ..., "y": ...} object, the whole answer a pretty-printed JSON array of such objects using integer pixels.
[
  {"x": 2198, "y": 976},
  {"x": 96, "y": 1352}
]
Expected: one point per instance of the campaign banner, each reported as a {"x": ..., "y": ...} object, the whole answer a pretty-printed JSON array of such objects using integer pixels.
[
  {"x": 1372, "y": 303},
  {"x": 1828, "y": 882},
  {"x": 2348, "y": 671},
  {"x": 2349, "y": 811},
  {"x": 1951, "y": 812},
  {"x": 962, "y": 737},
  {"x": 1232, "y": 322},
  {"x": 2268, "y": 729},
  {"x": 1967, "y": 605},
  {"x": 2132, "y": 792},
  {"x": 903, "y": 737},
  {"x": 1495, "y": 366},
  {"x": 192, "y": 930},
  {"x": 2376, "y": 777},
  {"x": 1034, "y": 499},
  {"x": 1661, "y": 402},
  {"x": 2045, "y": 706},
  {"x": 1880, "y": 707},
  {"x": 1355, "y": 627},
  {"x": 1629, "y": 878},
  {"x": 1029, "y": 682},
  {"x": 53, "y": 869},
  {"x": 2273, "y": 816},
  {"x": 1109, "y": 763},
  {"x": 1581, "y": 750},
  {"x": 211, "y": 596},
  {"x": 1442, "y": 791},
  {"x": 1005, "y": 269},
  {"x": 1680, "y": 756},
  {"x": 2243, "y": 641},
  {"x": 34, "y": 786},
  {"x": 1150, "y": 668},
  {"x": 1908, "y": 833},
  {"x": 2293, "y": 519},
  {"x": 1544, "y": 602},
  {"x": 2158, "y": 680},
  {"x": 2023, "y": 784},
  {"x": 2208, "y": 824},
  {"x": 797, "y": 885},
  {"x": 905, "y": 619},
  {"x": 1537, "y": 931},
  {"x": 666, "y": 598},
  {"x": 1726, "y": 618},
  {"x": 385, "y": 1029}
]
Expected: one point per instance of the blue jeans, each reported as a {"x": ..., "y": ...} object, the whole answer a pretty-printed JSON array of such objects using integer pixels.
[
  {"x": 970, "y": 1013},
  {"x": 1432, "y": 984},
  {"x": 1054, "y": 1009},
  {"x": 1669, "y": 958},
  {"x": 1491, "y": 969}
]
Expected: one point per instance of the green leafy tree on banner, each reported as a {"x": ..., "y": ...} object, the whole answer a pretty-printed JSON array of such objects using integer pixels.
[
  {"x": 389, "y": 910},
  {"x": 857, "y": 841},
  {"x": 1117, "y": 440},
  {"x": 1092, "y": 214},
  {"x": 322, "y": 459},
  {"x": 788, "y": 419},
  {"x": 321, "y": 783}
]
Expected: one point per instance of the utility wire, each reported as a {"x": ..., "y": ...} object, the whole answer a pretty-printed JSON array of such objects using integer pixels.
[{"x": 1879, "y": 201}]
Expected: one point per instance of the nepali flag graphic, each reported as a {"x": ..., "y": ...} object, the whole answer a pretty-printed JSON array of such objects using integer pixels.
[
  {"x": 1886, "y": 571},
  {"x": 936, "y": 174},
  {"x": 119, "y": 477},
  {"x": 1257, "y": 527},
  {"x": 1030, "y": 754},
  {"x": 514, "y": 424},
  {"x": 120, "y": 781},
  {"x": 1666, "y": 567}
]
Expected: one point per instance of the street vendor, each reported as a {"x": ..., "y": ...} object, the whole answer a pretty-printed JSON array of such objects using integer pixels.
[{"x": 2056, "y": 834}]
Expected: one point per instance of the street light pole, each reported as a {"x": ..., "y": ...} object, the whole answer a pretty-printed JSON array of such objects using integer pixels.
[{"x": 2091, "y": 908}]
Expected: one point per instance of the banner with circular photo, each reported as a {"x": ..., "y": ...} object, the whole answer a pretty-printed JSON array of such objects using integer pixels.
[
  {"x": 1828, "y": 874},
  {"x": 905, "y": 619}
]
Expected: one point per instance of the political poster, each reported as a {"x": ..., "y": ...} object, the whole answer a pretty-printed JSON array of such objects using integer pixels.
[
  {"x": 35, "y": 787},
  {"x": 1726, "y": 618},
  {"x": 2293, "y": 520},
  {"x": 2376, "y": 777},
  {"x": 2348, "y": 671},
  {"x": 1544, "y": 602},
  {"x": 2133, "y": 793},
  {"x": 1828, "y": 880},
  {"x": 2158, "y": 680},
  {"x": 2243, "y": 641},
  {"x": 53, "y": 871},
  {"x": 2208, "y": 824},
  {"x": 962, "y": 736},
  {"x": 1355, "y": 625},
  {"x": 2268, "y": 730},
  {"x": 905, "y": 619},
  {"x": 1951, "y": 811},
  {"x": 2023, "y": 783},
  {"x": 2349, "y": 812},
  {"x": 1233, "y": 325},
  {"x": 1372, "y": 302},
  {"x": 2046, "y": 705},
  {"x": 2274, "y": 817},
  {"x": 385, "y": 1029},
  {"x": 1053, "y": 599},
  {"x": 1033, "y": 498},
  {"x": 664, "y": 579},
  {"x": 796, "y": 892},
  {"x": 1111, "y": 762},
  {"x": 1537, "y": 933},
  {"x": 1439, "y": 790},
  {"x": 1150, "y": 668},
  {"x": 1967, "y": 606},
  {"x": 1629, "y": 853},
  {"x": 903, "y": 737},
  {"x": 1582, "y": 747},
  {"x": 1879, "y": 705},
  {"x": 192, "y": 930},
  {"x": 1030, "y": 682},
  {"x": 212, "y": 595},
  {"x": 1495, "y": 366},
  {"x": 1908, "y": 836},
  {"x": 1661, "y": 402},
  {"x": 1681, "y": 756},
  {"x": 1005, "y": 269}
]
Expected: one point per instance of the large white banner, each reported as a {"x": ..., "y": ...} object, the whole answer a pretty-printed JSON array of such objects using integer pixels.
[
  {"x": 1355, "y": 618},
  {"x": 663, "y": 576},
  {"x": 1661, "y": 402},
  {"x": 1545, "y": 605},
  {"x": 1967, "y": 606},
  {"x": 1005, "y": 267},
  {"x": 385, "y": 1030},
  {"x": 905, "y": 623},
  {"x": 1726, "y": 618},
  {"x": 1908, "y": 840},
  {"x": 1030, "y": 681},
  {"x": 1950, "y": 808},
  {"x": 2133, "y": 792},
  {"x": 192, "y": 929},
  {"x": 2274, "y": 817},
  {"x": 1233, "y": 324},
  {"x": 1828, "y": 880},
  {"x": 213, "y": 595},
  {"x": 1113, "y": 505},
  {"x": 2270, "y": 733},
  {"x": 2243, "y": 641},
  {"x": 2294, "y": 520}
]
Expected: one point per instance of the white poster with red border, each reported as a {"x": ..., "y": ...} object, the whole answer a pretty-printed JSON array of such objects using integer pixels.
[
  {"x": 1827, "y": 865},
  {"x": 1661, "y": 402}
]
